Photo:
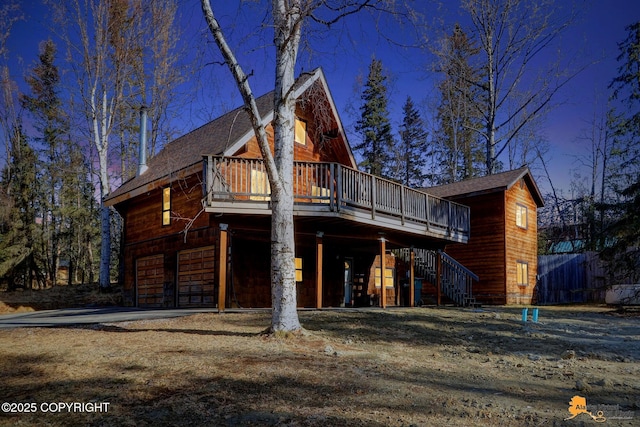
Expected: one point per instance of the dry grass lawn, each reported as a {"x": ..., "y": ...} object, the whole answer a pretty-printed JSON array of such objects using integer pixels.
[{"x": 398, "y": 367}]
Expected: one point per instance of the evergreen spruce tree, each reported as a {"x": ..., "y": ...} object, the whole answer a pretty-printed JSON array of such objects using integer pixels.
[
  {"x": 458, "y": 149},
  {"x": 67, "y": 226},
  {"x": 412, "y": 152},
  {"x": 374, "y": 125},
  {"x": 51, "y": 123},
  {"x": 624, "y": 254},
  {"x": 18, "y": 264},
  {"x": 80, "y": 216}
]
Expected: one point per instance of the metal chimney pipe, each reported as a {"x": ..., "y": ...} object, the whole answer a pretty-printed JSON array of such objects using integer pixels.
[{"x": 142, "y": 154}]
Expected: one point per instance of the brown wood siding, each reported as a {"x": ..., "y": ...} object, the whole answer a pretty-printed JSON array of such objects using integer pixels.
[
  {"x": 521, "y": 244},
  {"x": 143, "y": 216},
  {"x": 484, "y": 254},
  {"x": 332, "y": 273},
  {"x": 316, "y": 149},
  {"x": 301, "y": 152},
  {"x": 251, "y": 274},
  {"x": 150, "y": 281},
  {"x": 196, "y": 277},
  {"x": 332, "y": 278},
  {"x": 306, "y": 289}
]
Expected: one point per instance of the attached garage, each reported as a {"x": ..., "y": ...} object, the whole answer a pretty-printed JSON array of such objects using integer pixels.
[
  {"x": 196, "y": 277},
  {"x": 149, "y": 280}
]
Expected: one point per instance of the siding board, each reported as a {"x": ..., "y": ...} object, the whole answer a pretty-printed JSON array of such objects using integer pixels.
[
  {"x": 484, "y": 254},
  {"x": 521, "y": 244}
]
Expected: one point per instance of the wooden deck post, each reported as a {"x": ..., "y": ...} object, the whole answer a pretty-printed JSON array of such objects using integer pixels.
[
  {"x": 412, "y": 291},
  {"x": 438, "y": 277},
  {"x": 319, "y": 236},
  {"x": 208, "y": 172},
  {"x": 383, "y": 287},
  {"x": 222, "y": 268}
]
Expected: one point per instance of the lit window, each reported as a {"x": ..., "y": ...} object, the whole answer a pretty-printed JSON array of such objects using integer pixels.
[
  {"x": 166, "y": 206},
  {"x": 298, "y": 269},
  {"x": 522, "y": 273},
  {"x": 521, "y": 216},
  {"x": 301, "y": 132},
  {"x": 320, "y": 193},
  {"x": 388, "y": 277},
  {"x": 260, "y": 188}
]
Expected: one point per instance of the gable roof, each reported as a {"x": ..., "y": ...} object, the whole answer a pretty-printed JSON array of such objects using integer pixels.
[
  {"x": 222, "y": 136},
  {"x": 488, "y": 184}
]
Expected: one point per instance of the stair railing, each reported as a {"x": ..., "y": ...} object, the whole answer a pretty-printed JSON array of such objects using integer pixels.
[{"x": 455, "y": 280}]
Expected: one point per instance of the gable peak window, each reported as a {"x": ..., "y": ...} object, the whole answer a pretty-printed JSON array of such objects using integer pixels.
[{"x": 301, "y": 132}]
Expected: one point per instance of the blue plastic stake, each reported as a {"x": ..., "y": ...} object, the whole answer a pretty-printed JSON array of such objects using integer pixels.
[
  {"x": 525, "y": 313},
  {"x": 535, "y": 315}
]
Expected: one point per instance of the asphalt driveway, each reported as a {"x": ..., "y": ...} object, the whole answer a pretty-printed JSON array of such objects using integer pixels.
[{"x": 85, "y": 316}]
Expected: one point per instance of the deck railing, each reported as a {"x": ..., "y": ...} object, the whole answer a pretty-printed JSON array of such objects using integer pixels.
[{"x": 332, "y": 187}]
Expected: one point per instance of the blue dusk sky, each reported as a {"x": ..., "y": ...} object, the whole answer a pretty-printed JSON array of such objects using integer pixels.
[{"x": 345, "y": 53}]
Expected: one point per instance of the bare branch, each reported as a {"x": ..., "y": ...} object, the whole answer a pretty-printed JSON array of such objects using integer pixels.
[{"x": 242, "y": 82}]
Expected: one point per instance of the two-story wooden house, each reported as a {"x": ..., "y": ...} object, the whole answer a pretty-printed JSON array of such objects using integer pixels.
[
  {"x": 197, "y": 220},
  {"x": 503, "y": 247}
]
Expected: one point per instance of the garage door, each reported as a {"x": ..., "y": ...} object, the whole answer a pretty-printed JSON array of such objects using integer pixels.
[
  {"x": 196, "y": 277},
  {"x": 149, "y": 281}
]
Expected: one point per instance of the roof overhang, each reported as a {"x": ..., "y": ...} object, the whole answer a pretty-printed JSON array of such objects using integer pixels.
[{"x": 153, "y": 185}]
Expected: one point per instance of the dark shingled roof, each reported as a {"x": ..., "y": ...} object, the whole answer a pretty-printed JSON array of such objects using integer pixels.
[
  {"x": 487, "y": 184},
  {"x": 213, "y": 138},
  {"x": 187, "y": 150}
]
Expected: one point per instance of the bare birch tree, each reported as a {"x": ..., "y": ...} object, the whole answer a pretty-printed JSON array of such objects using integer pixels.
[
  {"x": 512, "y": 35},
  {"x": 288, "y": 20},
  {"x": 147, "y": 32},
  {"x": 165, "y": 73},
  {"x": 106, "y": 41},
  {"x": 101, "y": 74}
]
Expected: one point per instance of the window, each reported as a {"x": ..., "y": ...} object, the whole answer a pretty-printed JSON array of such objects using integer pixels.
[
  {"x": 301, "y": 132},
  {"x": 320, "y": 193},
  {"x": 521, "y": 215},
  {"x": 522, "y": 273},
  {"x": 298, "y": 269},
  {"x": 259, "y": 185},
  {"x": 388, "y": 277},
  {"x": 166, "y": 206}
]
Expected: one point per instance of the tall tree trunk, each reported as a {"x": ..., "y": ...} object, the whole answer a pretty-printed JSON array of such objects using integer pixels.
[
  {"x": 287, "y": 21},
  {"x": 101, "y": 137},
  {"x": 283, "y": 289},
  {"x": 491, "y": 107}
]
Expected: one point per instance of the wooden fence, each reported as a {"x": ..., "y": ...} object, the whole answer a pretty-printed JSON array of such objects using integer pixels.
[{"x": 570, "y": 278}]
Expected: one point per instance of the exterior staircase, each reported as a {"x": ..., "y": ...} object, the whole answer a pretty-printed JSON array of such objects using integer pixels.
[{"x": 456, "y": 281}]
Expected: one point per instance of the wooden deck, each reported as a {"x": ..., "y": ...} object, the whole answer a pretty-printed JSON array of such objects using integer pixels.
[{"x": 240, "y": 186}]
